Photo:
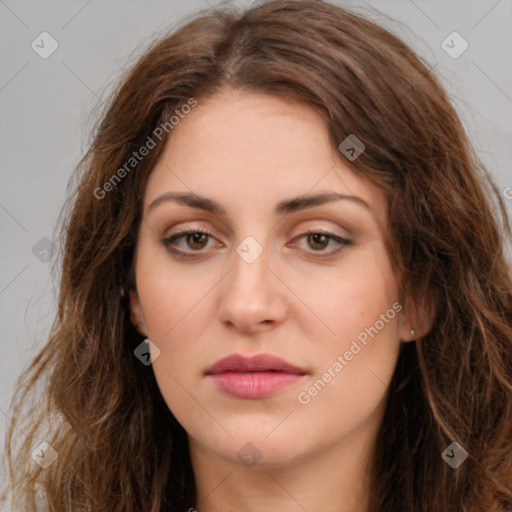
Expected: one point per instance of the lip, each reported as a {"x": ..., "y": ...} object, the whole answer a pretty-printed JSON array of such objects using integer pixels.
[{"x": 256, "y": 377}]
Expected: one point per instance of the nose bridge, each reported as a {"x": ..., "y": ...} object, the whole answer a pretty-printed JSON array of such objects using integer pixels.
[
  {"x": 249, "y": 298},
  {"x": 250, "y": 272}
]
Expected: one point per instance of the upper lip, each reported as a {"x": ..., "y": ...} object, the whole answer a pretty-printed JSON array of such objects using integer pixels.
[{"x": 257, "y": 363}]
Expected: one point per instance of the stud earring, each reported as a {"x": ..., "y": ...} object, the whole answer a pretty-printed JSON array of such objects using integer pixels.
[{"x": 413, "y": 334}]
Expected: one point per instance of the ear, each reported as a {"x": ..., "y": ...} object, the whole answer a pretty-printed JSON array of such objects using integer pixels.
[
  {"x": 136, "y": 313},
  {"x": 417, "y": 320}
]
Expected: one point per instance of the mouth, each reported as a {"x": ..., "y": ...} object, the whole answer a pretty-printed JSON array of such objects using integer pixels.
[{"x": 256, "y": 377}]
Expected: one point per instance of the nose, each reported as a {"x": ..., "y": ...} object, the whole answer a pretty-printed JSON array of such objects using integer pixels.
[{"x": 252, "y": 298}]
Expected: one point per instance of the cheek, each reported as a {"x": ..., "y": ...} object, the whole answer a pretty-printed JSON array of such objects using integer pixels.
[
  {"x": 353, "y": 298},
  {"x": 174, "y": 297},
  {"x": 352, "y": 376},
  {"x": 177, "y": 311},
  {"x": 360, "y": 308}
]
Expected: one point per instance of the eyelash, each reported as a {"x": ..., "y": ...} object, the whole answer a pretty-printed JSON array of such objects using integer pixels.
[{"x": 167, "y": 241}]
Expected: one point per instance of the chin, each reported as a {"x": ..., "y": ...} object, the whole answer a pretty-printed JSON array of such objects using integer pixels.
[{"x": 252, "y": 446}]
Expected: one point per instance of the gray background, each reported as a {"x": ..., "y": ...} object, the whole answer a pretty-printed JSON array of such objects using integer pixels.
[{"x": 46, "y": 106}]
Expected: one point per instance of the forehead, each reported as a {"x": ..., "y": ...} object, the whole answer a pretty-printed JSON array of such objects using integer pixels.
[{"x": 248, "y": 149}]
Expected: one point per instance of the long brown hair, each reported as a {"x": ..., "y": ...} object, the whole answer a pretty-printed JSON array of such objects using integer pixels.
[{"x": 119, "y": 447}]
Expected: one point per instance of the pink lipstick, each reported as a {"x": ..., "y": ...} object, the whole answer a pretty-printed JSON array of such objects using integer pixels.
[{"x": 256, "y": 377}]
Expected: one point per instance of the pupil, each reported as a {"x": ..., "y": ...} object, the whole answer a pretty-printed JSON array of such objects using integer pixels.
[
  {"x": 317, "y": 238},
  {"x": 197, "y": 238}
]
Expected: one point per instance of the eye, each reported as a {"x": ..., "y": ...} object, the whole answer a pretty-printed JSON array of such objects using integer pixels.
[
  {"x": 319, "y": 240},
  {"x": 195, "y": 239}
]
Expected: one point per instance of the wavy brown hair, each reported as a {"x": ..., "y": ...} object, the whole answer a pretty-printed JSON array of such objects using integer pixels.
[{"x": 119, "y": 447}]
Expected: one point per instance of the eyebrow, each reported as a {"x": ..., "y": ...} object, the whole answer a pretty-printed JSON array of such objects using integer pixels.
[{"x": 283, "y": 207}]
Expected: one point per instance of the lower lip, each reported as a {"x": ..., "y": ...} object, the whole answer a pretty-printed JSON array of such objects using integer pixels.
[{"x": 254, "y": 385}]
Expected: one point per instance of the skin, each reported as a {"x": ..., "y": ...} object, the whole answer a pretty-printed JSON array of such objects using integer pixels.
[{"x": 248, "y": 152}]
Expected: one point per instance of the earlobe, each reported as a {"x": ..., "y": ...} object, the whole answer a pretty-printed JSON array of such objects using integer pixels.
[
  {"x": 417, "y": 322},
  {"x": 407, "y": 334}
]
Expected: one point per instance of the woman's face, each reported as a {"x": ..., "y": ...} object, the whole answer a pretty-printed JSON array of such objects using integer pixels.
[{"x": 249, "y": 168}]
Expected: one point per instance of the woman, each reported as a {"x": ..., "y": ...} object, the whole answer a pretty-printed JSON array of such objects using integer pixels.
[{"x": 283, "y": 286}]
